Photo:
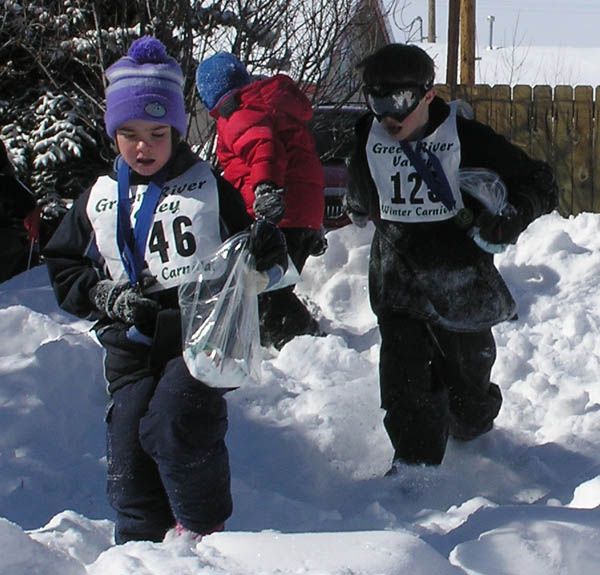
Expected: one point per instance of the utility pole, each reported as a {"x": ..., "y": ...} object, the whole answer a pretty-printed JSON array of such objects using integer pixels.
[
  {"x": 431, "y": 22},
  {"x": 453, "y": 37},
  {"x": 491, "y": 19},
  {"x": 467, "y": 42}
]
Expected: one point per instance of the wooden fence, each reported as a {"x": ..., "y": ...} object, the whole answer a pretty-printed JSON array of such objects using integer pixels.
[{"x": 554, "y": 124}]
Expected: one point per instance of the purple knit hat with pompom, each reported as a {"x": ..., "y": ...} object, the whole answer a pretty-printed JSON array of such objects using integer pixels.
[{"x": 147, "y": 84}]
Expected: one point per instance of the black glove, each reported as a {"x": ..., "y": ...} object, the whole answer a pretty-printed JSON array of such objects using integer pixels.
[
  {"x": 357, "y": 218},
  {"x": 268, "y": 202},
  {"x": 267, "y": 245},
  {"x": 319, "y": 243},
  {"x": 502, "y": 228},
  {"x": 119, "y": 301}
]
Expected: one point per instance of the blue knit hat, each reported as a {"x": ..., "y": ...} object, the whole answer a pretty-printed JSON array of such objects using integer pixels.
[
  {"x": 218, "y": 75},
  {"x": 147, "y": 84}
]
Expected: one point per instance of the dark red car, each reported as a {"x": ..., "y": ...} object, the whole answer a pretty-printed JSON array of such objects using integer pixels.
[{"x": 333, "y": 127}]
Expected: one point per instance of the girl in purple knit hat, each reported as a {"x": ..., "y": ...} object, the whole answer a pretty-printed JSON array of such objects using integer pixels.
[{"x": 118, "y": 257}]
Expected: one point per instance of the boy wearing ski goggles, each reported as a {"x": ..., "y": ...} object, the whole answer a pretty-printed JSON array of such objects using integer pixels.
[{"x": 436, "y": 295}]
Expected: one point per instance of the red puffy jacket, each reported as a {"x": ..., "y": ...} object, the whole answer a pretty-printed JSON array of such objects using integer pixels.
[{"x": 266, "y": 139}]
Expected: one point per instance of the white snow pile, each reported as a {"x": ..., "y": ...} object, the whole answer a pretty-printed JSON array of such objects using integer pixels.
[{"x": 308, "y": 449}]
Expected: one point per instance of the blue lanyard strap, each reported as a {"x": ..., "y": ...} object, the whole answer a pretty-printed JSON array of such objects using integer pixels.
[
  {"x": 435, "y": 178},
  {"x": 132, "y": 243}
]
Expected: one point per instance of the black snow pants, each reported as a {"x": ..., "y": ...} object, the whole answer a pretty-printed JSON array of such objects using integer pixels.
[
  {"x": 167, "y": 459},
  {"x": 282, "y": 315},
  {"x": 434, "y": 383}
]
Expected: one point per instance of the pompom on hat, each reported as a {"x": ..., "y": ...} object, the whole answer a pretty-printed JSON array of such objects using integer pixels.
[
  {"x": 147, "y": 84},
  {"x": 218, "y": 75}
]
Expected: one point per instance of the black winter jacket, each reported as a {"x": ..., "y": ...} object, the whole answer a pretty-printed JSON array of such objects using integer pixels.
[
  {"x": 16, "y": 201},
  {"x": 75, "y": 266},
  {"x": 434, "y": 271}
]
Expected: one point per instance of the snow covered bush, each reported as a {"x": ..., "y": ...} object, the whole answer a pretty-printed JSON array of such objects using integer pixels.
[{"x": 53, "y": 54}]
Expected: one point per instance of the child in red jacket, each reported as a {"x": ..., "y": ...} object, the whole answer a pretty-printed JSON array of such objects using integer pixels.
[{"x": 267, "y": 151}]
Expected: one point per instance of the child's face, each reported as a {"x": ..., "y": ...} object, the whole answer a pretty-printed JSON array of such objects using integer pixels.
[
  {"x": 413, "y": 125},
  {"x": 145, "y": 146}
]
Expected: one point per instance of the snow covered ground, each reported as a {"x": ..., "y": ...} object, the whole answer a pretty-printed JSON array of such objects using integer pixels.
[{"x": 307, "y": 444}]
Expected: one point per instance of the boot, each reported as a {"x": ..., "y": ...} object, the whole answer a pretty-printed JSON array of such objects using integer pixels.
[{"x": 180, "y": 531}]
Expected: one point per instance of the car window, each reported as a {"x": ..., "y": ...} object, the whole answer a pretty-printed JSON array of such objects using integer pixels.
[{"x": 333, "y": 128}]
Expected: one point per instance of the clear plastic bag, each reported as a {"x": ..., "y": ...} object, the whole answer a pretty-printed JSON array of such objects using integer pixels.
[
  {"x": 219, "y": 315},
  {"x": 489, "y": 190}
]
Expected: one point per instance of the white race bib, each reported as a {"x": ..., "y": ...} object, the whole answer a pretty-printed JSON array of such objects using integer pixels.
[
  {"x": 403, "y": 194},
  {"x": 185, "y": 228}
]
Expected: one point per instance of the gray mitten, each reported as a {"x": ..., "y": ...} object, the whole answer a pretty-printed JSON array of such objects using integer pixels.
[
  {"x": 104, "y": 294},
  {"x": 121, "y": 302},
  {"x": 133, "y": 308},
  {"x": 268, "y": 202}
]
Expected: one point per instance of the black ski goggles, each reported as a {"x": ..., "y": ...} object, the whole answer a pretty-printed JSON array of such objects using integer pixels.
[{"x": 397, "y": 102}]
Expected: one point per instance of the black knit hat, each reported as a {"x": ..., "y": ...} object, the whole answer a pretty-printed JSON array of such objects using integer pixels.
[{"x": 396, "y": 64}]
